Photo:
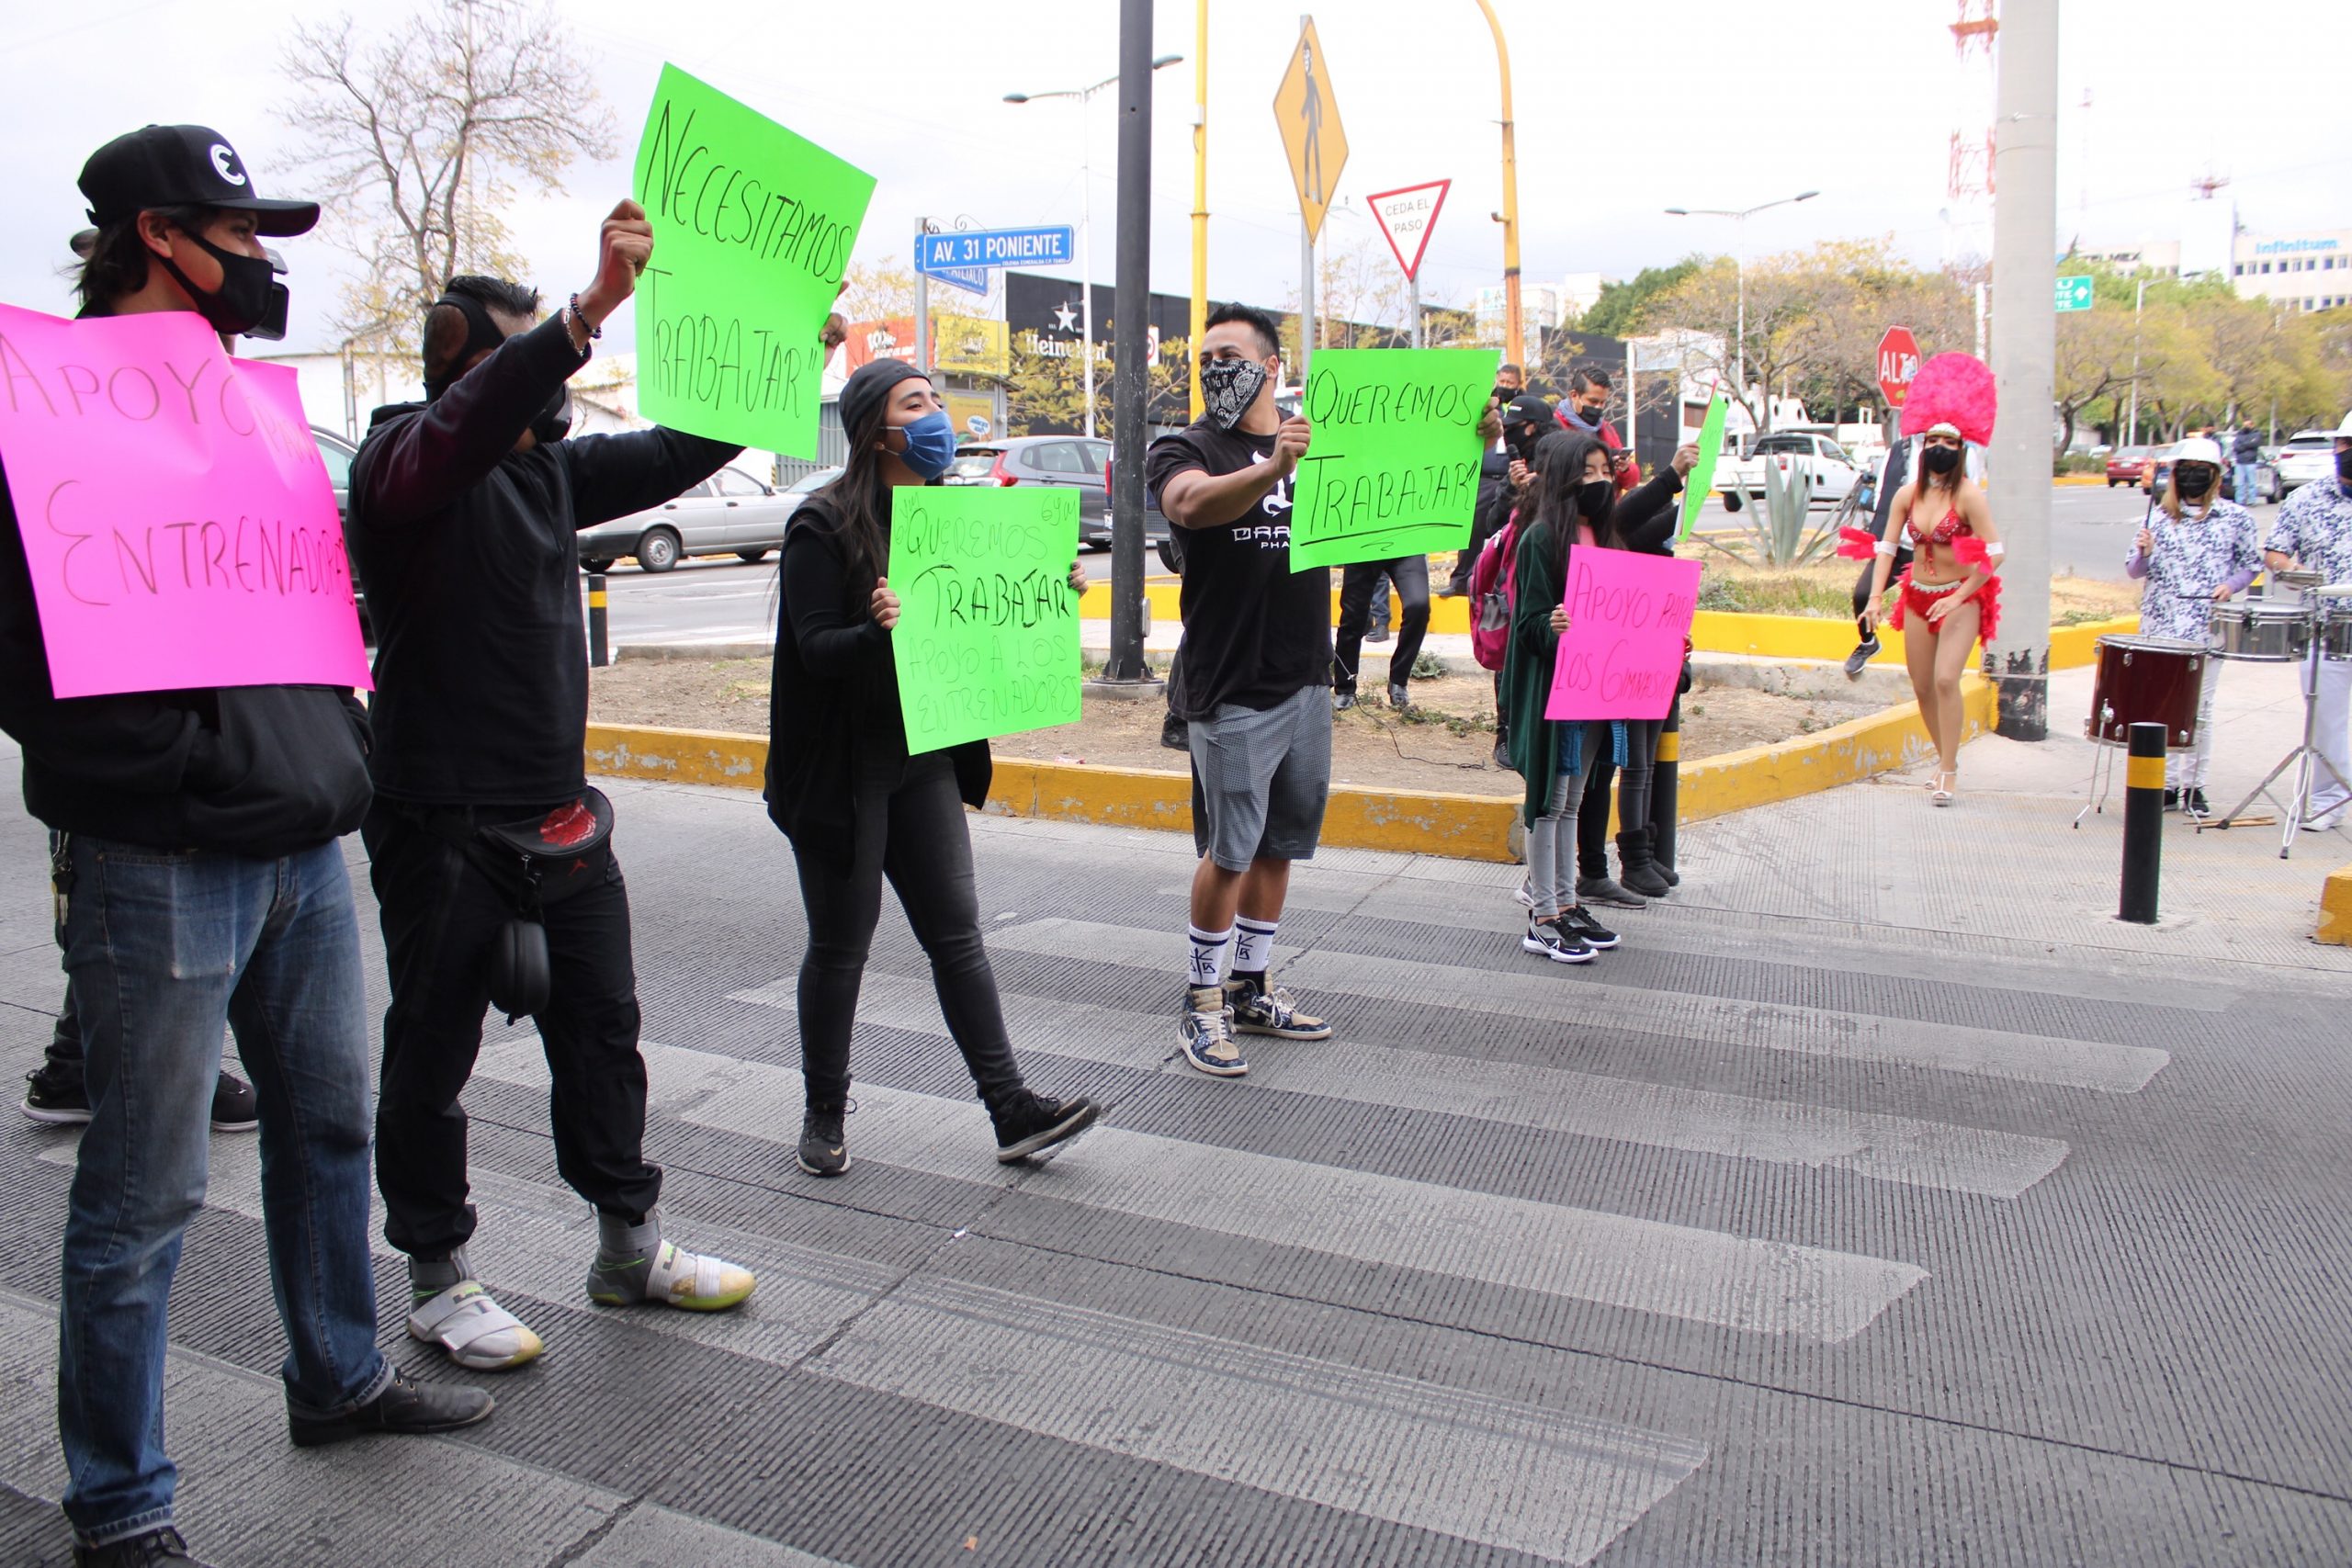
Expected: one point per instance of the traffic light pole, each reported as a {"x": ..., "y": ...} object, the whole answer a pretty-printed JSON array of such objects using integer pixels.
[{"x": 1130, "y": 351}]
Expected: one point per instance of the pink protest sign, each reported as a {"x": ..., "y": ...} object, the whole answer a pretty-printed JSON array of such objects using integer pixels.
[
  {"x": 1622, "y": 655},
  {"x": 179, "y": 523}
]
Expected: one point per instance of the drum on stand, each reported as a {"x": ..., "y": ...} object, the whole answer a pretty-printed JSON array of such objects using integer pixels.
[
  {"x": 2146, "y": 680},
  {"x": 2291, "y": 587},
  {"x": 2262, "y": 632},
  {"x": 2334, "y": 631}
]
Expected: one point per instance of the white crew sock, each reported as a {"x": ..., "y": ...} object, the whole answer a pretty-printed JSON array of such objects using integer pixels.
[
  {"x": 1208, "y": 956},
  {"x": 1253, "y": 947}
]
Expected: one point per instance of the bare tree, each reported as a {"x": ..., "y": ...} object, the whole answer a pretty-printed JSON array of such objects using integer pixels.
[{"x": 419, "y": 136}]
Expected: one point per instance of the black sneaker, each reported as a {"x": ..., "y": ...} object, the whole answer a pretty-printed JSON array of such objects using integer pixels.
[
  {"x": 1554, "y": 941},
  {"x": 1502, "y": 754},
  {"x": 823, "y": 1150},
  {"x": 1595, "y": 935},
  {"x": 235, "y": 1106},
  {"x": 1342, "y": 701},
  {"x": 1032, "y": 1122},
  {"x": 2172, "y": 800},
  {"x": 1860, "y": 659},
  {"x": 1605, "y": 890},
  {"x": 405, "y": 1408},
  {"x": 54, "y": 1094},
  {"x": 141, "y": 1550},
  {"x": 1397, "y": 695},
  {"x": 2193, "y": 802}
]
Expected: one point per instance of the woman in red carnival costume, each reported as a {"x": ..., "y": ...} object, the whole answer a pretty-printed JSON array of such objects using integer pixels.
[{"x": 1952, "y": 593}]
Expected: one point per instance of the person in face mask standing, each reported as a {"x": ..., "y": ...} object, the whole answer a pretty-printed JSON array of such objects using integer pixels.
[
  {"x": 1585, "y": 412},
  {"x": 2194, "y": 550},
  {"x": 1256, "y": 655},
  {"x": 192, "y": 836},
  {"x": 462, "y": 512},
  {"x": 2314, "y": 527},
  {"x": 855, "y": 805}
]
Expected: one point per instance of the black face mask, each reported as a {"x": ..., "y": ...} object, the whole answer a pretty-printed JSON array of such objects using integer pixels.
[
  {"x": 1939, "y": 459},
  {"x": 1522, "y": 440},
  {"x": 250, "y": 302},
  {"x": 1503, "y": 395},
  {"x": 1594, "y": 498},
  {"x": 2191, "y": 480},
  {"x": 2344, "y": 468},
  {"x": 1591, "y": 414}
]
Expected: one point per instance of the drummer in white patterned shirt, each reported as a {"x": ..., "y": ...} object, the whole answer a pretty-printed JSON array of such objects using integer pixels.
[
  {"x": 2314, "y": 527},
  {"x": 2194, "y": 551}
]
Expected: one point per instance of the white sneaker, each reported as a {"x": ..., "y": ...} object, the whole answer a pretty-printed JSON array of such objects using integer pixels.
[
  {"x": 473, "y": 1330},
  {"x": 2327, "y": 820}
]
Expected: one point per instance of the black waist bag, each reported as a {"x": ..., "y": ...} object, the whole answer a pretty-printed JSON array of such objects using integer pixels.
[{"x": 534, "y": 862}]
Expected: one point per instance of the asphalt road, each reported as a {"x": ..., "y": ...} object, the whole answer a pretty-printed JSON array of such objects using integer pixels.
[{"x": 723, "y": 600}]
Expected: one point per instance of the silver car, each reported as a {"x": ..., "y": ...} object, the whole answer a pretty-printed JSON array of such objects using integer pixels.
[{"x": 728, "y": 513}]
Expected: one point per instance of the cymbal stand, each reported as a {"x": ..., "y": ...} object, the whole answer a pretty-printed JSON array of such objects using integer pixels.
[{"x": 2301, "y": 759}]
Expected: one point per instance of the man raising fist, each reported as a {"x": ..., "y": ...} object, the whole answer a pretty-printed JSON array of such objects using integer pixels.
[{"x": 490, "y": 855}]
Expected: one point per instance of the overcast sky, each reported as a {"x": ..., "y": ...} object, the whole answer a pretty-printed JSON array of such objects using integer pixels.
[{"x": 1622, "y": 111}]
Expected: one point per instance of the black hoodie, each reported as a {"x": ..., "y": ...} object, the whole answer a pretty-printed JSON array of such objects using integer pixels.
[{"x": 261, "y": 770}]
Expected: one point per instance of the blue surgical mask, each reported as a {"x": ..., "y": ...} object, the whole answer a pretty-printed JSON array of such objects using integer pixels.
[{"x": 931, "y": 443}]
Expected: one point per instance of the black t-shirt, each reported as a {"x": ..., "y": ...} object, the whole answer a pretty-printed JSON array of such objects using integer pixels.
[{"x": 1255, "y": 631}]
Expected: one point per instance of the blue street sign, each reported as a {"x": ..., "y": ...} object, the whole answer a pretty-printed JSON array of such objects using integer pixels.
[
  {"x": 968, "y": 248},
  {"x": 972, "y": 280}
]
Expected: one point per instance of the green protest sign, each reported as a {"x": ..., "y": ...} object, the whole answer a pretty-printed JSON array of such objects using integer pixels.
[
  {"x": 1703, "y": 472},
  {"x": 986, "y": 640},
  {"x": 752, "y": 226},
  {"x": 1392, "y": 466}
]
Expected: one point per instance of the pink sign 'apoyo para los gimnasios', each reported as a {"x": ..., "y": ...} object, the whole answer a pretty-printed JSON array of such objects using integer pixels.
[
  {"x": 179, "y": 524},
  {"x": 1628, "y": 616}
]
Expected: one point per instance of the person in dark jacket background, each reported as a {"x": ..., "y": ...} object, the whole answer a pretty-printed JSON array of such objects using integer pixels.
[
  {"x": 193, "y": 840},
  {"x": 855, "y": 805},
  {"x": 1584, "y": 411},
  {"x": 463, "y": 513},
  {"x": 2246, "y": 457}
]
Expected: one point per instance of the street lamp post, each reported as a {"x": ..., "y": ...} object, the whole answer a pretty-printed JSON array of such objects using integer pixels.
[
  {"x": 1739, "y": 217},
  {"x": 1085, "y": 97}
]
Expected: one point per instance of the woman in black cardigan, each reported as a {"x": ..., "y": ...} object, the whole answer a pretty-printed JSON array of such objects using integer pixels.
[{"x": 855, "y": 805}]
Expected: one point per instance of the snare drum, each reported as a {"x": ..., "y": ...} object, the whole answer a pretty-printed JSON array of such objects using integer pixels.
[
  {"x": 2335, "y": 628},
  {"x": 2259, "y": 632},
  {"x": 2291, "y": 587},
  {"x": 2146, "y": 680}
]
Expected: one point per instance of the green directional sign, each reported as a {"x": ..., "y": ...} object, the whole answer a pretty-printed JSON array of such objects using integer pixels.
[{"x": 2074, "y": 293}]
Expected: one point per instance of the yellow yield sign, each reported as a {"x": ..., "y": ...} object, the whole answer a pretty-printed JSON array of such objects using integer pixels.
[{"x": 1311, "y": 132}]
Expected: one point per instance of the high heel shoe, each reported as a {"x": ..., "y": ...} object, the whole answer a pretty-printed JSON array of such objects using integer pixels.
[{"x": 1946, "y": 787}]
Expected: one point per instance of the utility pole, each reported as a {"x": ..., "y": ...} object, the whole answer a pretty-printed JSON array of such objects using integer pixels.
[
  {"x": 1515, "y": 344},
  {"x": 1131, "y": 365},
  {"x": 922, "y": 302},
  {"x": 1200, "y": 315},
  {"x": 1306, "y": 243},
  {"x": 2024, "y": 342},
  {"x": 2139, "y": 303}
]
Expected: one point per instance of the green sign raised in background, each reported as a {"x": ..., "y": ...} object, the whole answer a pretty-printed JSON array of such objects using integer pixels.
[
  {"x": 987, "y": 640},
  {"x": 1392, "y": 466},
  {"x": 1703, "y": 472},
  {"x": 752, "y": 226},
  {"x": 2074, "y": 293}
]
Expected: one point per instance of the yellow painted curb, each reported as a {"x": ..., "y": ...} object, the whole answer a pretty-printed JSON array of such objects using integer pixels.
[
  {"x": 2079, "y": 480},
  {"x": 2335, "y": 909},
  {"x": 1464, "y": 827}
]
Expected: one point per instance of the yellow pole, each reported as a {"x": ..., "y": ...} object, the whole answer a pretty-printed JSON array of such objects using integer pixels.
[
  {"x": 1200, "y": 191},
  {"x": 1514, "y": 340}
]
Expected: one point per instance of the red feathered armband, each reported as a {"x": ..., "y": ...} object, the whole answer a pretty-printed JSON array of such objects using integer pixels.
[
  {"x": 1856, "y": 543},
  {"x": 1972, "y": 552}
]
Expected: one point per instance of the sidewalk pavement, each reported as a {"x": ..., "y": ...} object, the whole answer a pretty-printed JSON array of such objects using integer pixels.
[{"x": 1881, "y": 1200}]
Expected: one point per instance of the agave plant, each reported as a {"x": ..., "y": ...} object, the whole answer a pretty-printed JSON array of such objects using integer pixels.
[{"x": 1784, "y": 534}]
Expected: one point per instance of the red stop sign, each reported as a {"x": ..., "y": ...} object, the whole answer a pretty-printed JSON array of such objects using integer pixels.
[{"x": 1898, "y": 361}]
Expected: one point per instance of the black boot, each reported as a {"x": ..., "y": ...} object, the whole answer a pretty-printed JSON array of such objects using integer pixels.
[{"x": 1639, "y": 872}]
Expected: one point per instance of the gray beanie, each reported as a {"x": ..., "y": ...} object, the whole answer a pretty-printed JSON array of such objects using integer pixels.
[{"x": 866, "y": 391}]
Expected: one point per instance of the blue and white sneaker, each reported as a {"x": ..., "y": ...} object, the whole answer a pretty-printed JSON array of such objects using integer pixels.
[
  {"x": 1258, "y": 1011},
  {"x": 1207, "y": 1031}
]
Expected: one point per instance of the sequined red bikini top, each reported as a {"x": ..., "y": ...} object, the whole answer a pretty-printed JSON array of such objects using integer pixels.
[{"x": 1945, "y": 532}]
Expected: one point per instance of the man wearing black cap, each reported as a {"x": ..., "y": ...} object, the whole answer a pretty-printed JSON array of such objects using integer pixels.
[
  {"x": 463, "y": 511},
  {"x": 200, "y": 886}
]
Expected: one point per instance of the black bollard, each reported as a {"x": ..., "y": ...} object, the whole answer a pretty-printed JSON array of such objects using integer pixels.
[
  {"x": 598, "y": 654},
  {"x": 2143, "y": 824},
  {"x": 1665, "y": 789}
]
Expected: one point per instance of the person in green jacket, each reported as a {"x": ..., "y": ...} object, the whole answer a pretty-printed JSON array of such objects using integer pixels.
[{"x": 1574, "y": 489}]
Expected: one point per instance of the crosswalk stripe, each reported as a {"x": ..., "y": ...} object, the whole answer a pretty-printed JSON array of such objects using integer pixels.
[
  {"x": 1495, "y": 1471},
  {"x": 1568, "y": 999},
  {"x": 1886, "y": 1148},
  {"x": 1765, "y": 1287},
  {"x": 652, "y": 1535}
]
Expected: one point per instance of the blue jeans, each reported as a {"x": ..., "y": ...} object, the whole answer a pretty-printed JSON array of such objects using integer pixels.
[
  {"x": 164, "y": 951},
  {"x": 2248, "y": 484}
]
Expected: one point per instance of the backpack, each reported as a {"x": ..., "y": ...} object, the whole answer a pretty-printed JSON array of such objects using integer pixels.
[{"x": 1494, "y": 592}]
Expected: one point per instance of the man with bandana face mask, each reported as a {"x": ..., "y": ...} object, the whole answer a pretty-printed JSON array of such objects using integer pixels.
[
  {"x": 194, "y": 848},
  {"x": 462, "y": 513}
]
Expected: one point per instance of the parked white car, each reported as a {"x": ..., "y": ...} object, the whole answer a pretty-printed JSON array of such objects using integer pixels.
[
  {"x": 728, "y": 513},
  {"x": 2308, "y": 455},
  {"x": 1834, "y": 472}
]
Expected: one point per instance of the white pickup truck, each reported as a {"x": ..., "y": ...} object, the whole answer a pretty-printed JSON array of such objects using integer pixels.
[{"x": 1835, "y": 473}]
